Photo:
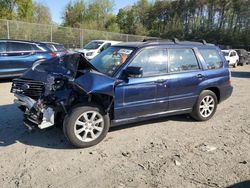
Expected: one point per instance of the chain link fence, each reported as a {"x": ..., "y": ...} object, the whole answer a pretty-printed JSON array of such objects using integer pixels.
[{"x": 69, "y": 37}]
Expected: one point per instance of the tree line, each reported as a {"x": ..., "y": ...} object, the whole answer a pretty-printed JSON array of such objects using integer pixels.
[
  {"x": 25, "y": 10},
  {"x": 217, "y": 21}
]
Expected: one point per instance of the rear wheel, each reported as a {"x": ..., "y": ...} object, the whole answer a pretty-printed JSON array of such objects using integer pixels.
[
  {"x": 236, "y": 64},
  {"x": 205, "y": 106},
  {"x": 86, "y": 126}
]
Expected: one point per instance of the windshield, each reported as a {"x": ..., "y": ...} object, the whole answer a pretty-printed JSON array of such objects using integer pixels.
[
  {"x": 93, "y": 45},
  {"x": 59, "y": 48},
  {"x": 225, "y": 53},
  {"x": 110, "y": 60}
]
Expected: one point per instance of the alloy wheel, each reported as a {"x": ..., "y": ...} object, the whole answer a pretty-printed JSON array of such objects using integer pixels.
[
  {"x": 207, "y": 106},
  {"x": 89, "y": 126}
]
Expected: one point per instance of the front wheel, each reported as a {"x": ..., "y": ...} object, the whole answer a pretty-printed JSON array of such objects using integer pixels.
[
  {"x": 205, "y": 106},
  {"x": 86, "y": 126}
]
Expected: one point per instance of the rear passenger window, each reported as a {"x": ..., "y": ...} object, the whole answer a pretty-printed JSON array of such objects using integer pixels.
[
  {"x": 211, "y": 58},
  {"x": 152, "y": 61},
  {"x": 181, "y": 60},
  {"x": 18, "y": 46}
]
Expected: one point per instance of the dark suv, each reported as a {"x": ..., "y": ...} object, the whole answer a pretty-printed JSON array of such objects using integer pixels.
[
  {"x": 16, "y": 56},
  {"x": 126, "y": 83},
  {"x": 244, "y": 58},
  {"x": 57, "y": 48}
]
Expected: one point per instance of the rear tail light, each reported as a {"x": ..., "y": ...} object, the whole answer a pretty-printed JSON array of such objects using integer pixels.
[
  {"x": 53, "y": 54},
  {"x": 230, "y": 75}
]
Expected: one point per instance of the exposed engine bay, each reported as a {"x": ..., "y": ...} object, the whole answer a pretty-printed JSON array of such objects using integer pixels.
[{"x": 48, "y": 90}]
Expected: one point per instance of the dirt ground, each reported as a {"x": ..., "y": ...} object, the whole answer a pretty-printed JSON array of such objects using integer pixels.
[{"x": 169, "y": 152}]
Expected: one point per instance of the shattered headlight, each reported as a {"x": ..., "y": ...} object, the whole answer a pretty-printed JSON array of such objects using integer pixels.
[{"x": 58, "y": 84}]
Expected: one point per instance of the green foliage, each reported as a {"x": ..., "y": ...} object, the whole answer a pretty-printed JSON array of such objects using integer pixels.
[
  {"x": 25, "y": 10},
  {"x": 7, "y": 9},
  {"x": 74, "y": 14},
  {"x": 225, "y": 21},
  {"x": 92, "y": 16},
  {"x": 41, "y": 14},
  {"x": 218, "y": 21}
]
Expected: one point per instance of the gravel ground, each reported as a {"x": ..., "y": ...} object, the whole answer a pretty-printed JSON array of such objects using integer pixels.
[{"x": 169, "y": 152}]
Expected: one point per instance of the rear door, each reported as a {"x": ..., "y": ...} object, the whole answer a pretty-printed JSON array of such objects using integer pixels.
[
  {"x": 20, "y": 56},
  {"x": 185, "y": 77}
]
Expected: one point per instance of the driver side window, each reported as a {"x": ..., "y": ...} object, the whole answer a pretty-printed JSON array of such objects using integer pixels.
[{"x": 152, "y": 61}]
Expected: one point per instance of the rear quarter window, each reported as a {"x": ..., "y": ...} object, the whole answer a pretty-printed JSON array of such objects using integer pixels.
[{"x": 212, "y": 58}]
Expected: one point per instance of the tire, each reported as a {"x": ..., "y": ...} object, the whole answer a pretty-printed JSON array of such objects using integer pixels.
[
  {"x": 236, "y": 64},
  {"x": 86, "y": 126},
  {"x": 198, "y": 113}
]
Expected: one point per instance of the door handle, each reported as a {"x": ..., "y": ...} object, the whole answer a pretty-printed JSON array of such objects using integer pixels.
[
  {"x": 200, "y": 76},
  {"x": 160, "y": 81}
]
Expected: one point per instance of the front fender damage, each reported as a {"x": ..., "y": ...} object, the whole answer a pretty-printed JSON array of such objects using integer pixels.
[{"x": 95, "y": 82}]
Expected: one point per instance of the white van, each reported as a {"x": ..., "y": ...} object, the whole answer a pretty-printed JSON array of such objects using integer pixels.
[
  {"x": 231, "y": 56},
  {"x": 95, "y": 47}
]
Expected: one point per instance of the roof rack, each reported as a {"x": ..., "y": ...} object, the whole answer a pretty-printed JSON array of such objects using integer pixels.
[{"x": 174, "y": 40}]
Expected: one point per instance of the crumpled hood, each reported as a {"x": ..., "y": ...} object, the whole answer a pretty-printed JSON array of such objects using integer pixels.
[
  {"x": 66, "y": 65},
  {"x": 89, "y": 80}
]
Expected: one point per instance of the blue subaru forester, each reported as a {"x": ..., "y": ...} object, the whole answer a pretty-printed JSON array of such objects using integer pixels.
[{"x": 126, "y": 83}]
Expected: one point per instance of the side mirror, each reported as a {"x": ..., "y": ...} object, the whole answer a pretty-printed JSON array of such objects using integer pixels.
[{"x": 134, "y": 72}]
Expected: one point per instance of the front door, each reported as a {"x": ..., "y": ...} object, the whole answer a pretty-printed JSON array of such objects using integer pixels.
[{"x": 146, "y": 95}]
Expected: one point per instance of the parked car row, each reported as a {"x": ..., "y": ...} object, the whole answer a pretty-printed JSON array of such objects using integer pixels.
[
  {"x": 237, "y": 57},
  {"x": 94, "y": 47},
  {"x": 16, "y": 56}
]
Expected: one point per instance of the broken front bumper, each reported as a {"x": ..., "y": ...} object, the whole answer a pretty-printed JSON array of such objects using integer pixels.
[{"x": 35, "y": 114}]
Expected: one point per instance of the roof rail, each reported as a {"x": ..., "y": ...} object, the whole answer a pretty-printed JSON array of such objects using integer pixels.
[
  {"x": 175, "y": 40},
  {"x": 151, "y": 39}
]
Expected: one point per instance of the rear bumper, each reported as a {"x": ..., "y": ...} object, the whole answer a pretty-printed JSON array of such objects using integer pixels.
[{"x": 226, "y": 92}]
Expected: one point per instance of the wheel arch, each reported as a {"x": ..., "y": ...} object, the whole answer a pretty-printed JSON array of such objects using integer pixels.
[
  {"x": 216, "y": 91},
  {"x": 103, "y": 100}
]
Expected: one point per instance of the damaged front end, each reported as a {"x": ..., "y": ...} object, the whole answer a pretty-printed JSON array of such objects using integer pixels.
[
  {"x": 43, "y": 103},
  {"x": 47, "y": 92}
]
